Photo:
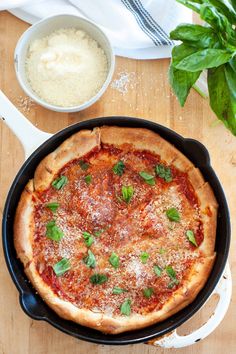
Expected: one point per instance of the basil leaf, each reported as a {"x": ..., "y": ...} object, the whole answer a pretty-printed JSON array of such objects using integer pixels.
[
  {"x": 90, "y": 260},
  {"x": 83, "y": 165},
  {"x": 61, "y": 267},
  {"x": 144, "y": 257},
  {"x": 60, "y": 182},
  {"x": 98, "y": 278},
  {"x": 118, "y": 291},
  {"x": 53, "y": 206},
  {"x": 114, "y": 260},
  {"x": 204, "y": 59},
  {"x": 199, "y": 36},
  {"x": 98, "y": 233},
  {"x": 119, "y": 167},
  {"x": 127, "y": 193},
  {"x": 191, "y": 237},
  {"x": 173, "y": 214},
  {"x": 221, "y": 83},
  {"x": 88, "y": 179},
  {"x": 88, "y": 238},
  {"x": 157, "y": 270},
  {"x": 125, "y": 307},
  {"x": 171, "y": 272},
  {"x": 149, "y": 179},
  {"x": 191, "y": 4},
  {"x": 172, "y": 283},
  {"x": 164, "y": 172},
  {"x": 148, "y": 292},
  {"x": 181, "y": 82},
  {"x": 224, "y": 10},
  {"x": 53, "y": 231},
  {"x": 162, "y": 250}
]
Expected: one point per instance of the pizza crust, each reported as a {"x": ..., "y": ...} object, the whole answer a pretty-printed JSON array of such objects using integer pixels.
[{"x": 75, "y": 147}]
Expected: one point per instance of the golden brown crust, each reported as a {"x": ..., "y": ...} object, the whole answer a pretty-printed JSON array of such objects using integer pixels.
[
  {"x": 23, "y": 225},
  {"x": 208, "y": 208},
  {"x": 74, "y": 147},
  {"x": 118, "y": 324}
]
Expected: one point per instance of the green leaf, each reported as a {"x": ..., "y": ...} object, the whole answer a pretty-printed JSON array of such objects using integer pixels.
[
  {"x": 164, "y": 172},
  {"x": 127, "y": 193},
  {"x": 53, "y": 206},
  {"x": 144, "y": 257},
  {"x": 117, "y": 291},
  {"x": 181, "y": 82},
  {"x": 221, "y": 83},
  {"x": 193, "y": 5},
  {"x": 162, "y": 250},
  {"x": 195, "y": 35},
  {"x": 88, "y": 179},
  {"x": 60, "y": 182},
  {"x": 83, "y": 165},
  {"x": 191, "y": 237},
  {"x": 61, "y": 267},
  {"x": 88, "y": 238},
  {"x": 98, "y": 233},
  {"x": 90, "y": 260},
  {"x": 148, "y": 292},
  {"x": 172, "y": 283},
  {"x": 98, "y": 278},
  {"x": 157, "y": 270},
  {"x": 224, "y": 10},
  {"x": 125, "y": 307},
  {"x": 173, "y": 214},
  {"x": 171, "y": 272},
  {"x": 53, "y": 231},
  {"x": 204, "y": 59},
  {"x": 119, "y": 168},
  {"x": 114, "y": 260},
  {"x": 149, "y": 179}
]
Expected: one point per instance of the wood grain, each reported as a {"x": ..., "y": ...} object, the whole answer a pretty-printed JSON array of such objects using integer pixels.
[{"x": 149, "y": 96}]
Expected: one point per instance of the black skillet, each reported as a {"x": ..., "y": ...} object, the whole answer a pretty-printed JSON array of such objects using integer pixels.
[{"x": 36, "y": 308}]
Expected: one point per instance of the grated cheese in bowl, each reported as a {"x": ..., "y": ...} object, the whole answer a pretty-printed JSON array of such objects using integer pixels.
[{"x": 66, "y": 68}]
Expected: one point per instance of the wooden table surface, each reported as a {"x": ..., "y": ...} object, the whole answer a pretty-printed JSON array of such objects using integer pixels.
[{"x": 148, "y": 96}]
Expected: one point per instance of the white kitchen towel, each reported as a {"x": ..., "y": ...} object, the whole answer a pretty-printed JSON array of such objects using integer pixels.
[{"x": 137, "y": 28}]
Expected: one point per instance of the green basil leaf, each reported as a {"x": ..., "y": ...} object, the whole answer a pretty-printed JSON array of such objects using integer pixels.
[
  {"x": 173, "y": 214},
  {"x": 157, "y": 270},
  {"x": 233, "y": 3},
  {"x": 83, "y": 165},
  {"x": 114, "y": 260},
  {"x": 98, "y": 233},
  {"x": 148, "y": 292},
  {"x": 119, "y": 168},
  {"x": 144, "y": 257},
  {"x": 149, "y": 179},
  {"x": 181, "y": 82},
  {"x": 171, "y": 272},
  {"x": 162, "y": 250},
  {"x": 88, "y": 179},
  {"x": 53, "y": 231},
  {"x": 88, "y": 238},
  {"x": 224, "y": 9},
  {"x": 193, "y": 5},
  {"x": 125, "y": 307},
  {"x": 191, "y": 237},
  {"x": 61, "y": 267},
  {"x": 196, "y": 35},
  {"x": 172, "y": 283},
  {"x": 90, "y": 260},
  {"x": 53, "y": 206},
  {"x": 98, "y": 278},
  {"x": 60, "y": 182},
  {"x": 164, "y": 172},
  {"x": 221, "y": 83},
  {"x": 117, "y": 291},
  {"x": 127, "y": 193},
  {"x": 204, "y": 59}
]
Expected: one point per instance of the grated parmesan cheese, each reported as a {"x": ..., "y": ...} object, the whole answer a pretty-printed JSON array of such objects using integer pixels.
[{"x": 66, "y": 68}]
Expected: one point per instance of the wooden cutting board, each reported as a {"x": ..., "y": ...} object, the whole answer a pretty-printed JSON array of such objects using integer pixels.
[{"x": 146, "y": 94}]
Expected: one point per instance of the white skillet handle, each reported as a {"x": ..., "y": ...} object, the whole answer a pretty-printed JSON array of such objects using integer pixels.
[
  {"x": 224, "y": 290},
  {"x": 29, "y": 136}
]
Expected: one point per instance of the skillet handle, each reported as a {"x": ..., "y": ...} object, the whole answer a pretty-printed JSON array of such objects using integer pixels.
[
  {"x": 224, "y": 290},
  {"x": 29, "y": 136}
]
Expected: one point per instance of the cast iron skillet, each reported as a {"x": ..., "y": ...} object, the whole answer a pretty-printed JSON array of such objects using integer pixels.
[{"x": 36, "y": 308}]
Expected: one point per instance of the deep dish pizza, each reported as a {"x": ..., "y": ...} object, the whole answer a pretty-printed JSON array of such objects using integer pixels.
[{"x": 116, "y": 230}]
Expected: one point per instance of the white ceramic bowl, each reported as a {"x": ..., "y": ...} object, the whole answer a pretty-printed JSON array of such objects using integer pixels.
[{"x": 44, "y": 28}]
